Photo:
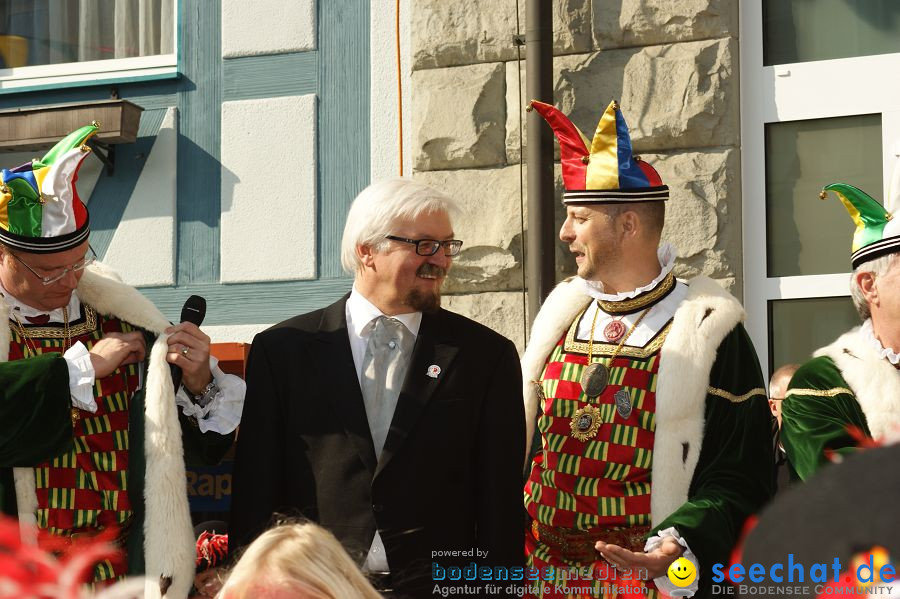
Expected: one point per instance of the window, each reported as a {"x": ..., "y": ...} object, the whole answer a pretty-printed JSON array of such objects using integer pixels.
[
  {"x": 58, "y": 42},
  {"x": 800, "y": 326},
  {"x": 817, "y": 106},
  {"x": 804, "y": 30},
  {"x": 803, "y": 233}
]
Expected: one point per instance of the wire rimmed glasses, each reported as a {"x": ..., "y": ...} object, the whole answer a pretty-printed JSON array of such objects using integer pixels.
[{"x": 59, "y": 274}]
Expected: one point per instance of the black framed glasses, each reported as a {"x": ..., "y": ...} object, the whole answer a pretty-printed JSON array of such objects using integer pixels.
[
  {"x": 56, "y": 275},
  {"x": 430, "y": 247}
]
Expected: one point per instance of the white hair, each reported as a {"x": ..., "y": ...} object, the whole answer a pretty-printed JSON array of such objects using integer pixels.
[
  {"x": 878, "y": 266},
  {"x": 381, "y": 205}
]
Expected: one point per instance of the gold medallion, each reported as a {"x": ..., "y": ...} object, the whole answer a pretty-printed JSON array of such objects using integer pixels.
[{"x": 585, "y": 422}]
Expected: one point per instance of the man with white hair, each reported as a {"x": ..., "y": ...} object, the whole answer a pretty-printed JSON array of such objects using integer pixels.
[
  {"x": 393, "y": 423},
  {"x": 851, "y": 388}
]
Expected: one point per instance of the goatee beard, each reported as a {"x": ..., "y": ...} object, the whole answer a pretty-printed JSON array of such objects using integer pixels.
[{"x": 421, "y": 301}]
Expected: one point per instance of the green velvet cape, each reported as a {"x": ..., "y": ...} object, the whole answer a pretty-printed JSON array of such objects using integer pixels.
[
  {"x": 734, "y": 476},
  {"x": 846, "y": 384},
  {"x": 814, "y": 424}
]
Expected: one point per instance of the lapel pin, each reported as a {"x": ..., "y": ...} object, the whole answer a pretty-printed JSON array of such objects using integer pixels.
[{"x": 433, "y": 371}]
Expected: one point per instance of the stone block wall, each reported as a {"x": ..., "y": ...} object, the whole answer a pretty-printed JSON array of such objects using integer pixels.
[{"x": 671, "y": 64}]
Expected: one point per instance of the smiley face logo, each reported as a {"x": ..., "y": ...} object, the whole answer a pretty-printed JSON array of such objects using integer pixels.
[{"x": 682, "y": 572}]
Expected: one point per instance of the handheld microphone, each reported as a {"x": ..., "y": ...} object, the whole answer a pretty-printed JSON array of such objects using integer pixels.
[{"x": 194, "y": 310}]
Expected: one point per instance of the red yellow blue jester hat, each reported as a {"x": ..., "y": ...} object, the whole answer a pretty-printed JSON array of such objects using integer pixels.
[
  {"x": 602, "y": 170},
  {"x": 40, "y": 211}
]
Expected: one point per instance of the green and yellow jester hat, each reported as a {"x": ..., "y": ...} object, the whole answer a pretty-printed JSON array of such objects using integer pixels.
[
  {"x": 877, "y": 231},
  {"x": 40, "y": 211}
]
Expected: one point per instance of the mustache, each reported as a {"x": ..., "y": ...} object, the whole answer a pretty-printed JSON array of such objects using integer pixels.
[{"x": 431, "y": 270}]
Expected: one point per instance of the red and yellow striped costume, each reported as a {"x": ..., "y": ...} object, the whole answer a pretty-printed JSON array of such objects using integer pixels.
[
  {"x": 598, "y": 485},
  {"x": 86, "y": 489}
]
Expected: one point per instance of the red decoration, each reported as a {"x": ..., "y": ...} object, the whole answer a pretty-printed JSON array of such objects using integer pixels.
[
  {"x": 56, "y": 568},
  {"x": 212, "y": 549},
  {"x": 614, "y": 331}
]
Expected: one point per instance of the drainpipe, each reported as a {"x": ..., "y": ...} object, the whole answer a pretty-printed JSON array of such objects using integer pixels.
[{"x": 540, "y": 263}]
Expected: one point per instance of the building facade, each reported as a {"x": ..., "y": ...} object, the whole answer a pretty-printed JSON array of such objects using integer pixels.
[
  {"x": 746, "y": 109},
  {"x": 261, "y": 121}
]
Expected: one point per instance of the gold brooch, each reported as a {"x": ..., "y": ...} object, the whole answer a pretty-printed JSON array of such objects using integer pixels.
[{"x": 585, "y": 422}]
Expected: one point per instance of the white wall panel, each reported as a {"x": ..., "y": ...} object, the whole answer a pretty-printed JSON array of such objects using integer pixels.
[
  {"x": 268, "y": 226},
  {"x": 267, "y": 27}
]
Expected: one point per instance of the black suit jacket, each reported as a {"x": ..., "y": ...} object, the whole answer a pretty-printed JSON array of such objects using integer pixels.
[
  {"x": 449, "y": 478},
  {"x": 782, "y": 466}
]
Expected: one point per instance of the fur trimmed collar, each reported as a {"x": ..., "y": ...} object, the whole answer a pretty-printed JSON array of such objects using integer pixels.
[
  {"x": 705, "y": 317},
  {"x": 102, "y": 289},
  {"x": 874, "y": 381},
  {"x": 169, "y": 548},
  {"x": 702, "y": 321}
]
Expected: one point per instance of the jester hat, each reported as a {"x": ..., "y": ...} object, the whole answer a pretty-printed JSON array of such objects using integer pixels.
[
  {"x": 602, "y": 170},
  {"x": 877, "y": 231},
  {"x": 40, "y": 211}
]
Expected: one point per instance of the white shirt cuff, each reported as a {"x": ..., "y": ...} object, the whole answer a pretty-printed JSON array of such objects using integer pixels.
[
  {"x": 663, "y": 583},
  {"x": 81, "y": 377},
  {"x": 223, "y": 413}
]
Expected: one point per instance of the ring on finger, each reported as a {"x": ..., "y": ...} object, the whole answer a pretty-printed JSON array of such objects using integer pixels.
[{"x": 185, "y": 351}]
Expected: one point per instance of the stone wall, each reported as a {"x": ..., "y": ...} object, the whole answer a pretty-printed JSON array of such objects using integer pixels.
[{"x": 671, "y": 64}]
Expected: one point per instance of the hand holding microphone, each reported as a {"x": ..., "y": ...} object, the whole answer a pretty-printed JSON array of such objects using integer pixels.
[{"x": 188, "y": 354}]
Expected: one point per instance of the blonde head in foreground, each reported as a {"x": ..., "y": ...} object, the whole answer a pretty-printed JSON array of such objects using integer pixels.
[{"x": 296, "y": 561}]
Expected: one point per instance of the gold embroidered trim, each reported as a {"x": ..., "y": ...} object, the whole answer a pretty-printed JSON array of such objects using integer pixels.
[
  {"x": 819, "y": 392},
  {"x": 736, "y": 398},
  {"x": 642, "y": 301},
  {"x": 88, "y": 326},
  {"x": 572, "y": 345}
]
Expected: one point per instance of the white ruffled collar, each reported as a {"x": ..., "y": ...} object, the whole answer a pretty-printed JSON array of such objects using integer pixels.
[
  {"x": 868, "y": 333},
  {"x": 666, "y": 254}
]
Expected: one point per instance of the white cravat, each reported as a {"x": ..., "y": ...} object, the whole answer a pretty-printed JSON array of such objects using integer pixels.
[
  {"x": 361, "y": 314},
  {"x": 384, "y": 368}
]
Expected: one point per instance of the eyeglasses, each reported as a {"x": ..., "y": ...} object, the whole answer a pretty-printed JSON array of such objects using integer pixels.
[
  {"x": 59, "y": 274},
  {"x": 430, "y": 247}
]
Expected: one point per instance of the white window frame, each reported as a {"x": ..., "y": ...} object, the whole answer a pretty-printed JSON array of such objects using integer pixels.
[
  {"x": 95, "y": 72},
  {"x": 793, "y": 92}
]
